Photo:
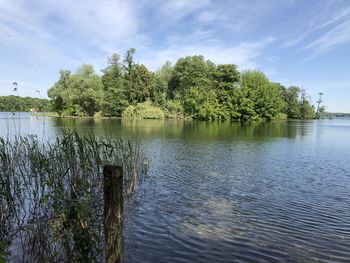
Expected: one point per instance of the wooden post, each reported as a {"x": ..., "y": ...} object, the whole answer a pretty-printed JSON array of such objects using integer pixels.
[{"x": 113, "y": 212}]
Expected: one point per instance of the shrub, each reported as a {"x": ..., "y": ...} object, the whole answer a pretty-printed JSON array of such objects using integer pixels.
[
  {"x": 174, "y": 110},
  {"x": 143, "y": 110}
]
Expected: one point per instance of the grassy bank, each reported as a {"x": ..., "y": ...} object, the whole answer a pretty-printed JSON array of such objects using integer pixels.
[{"x": 46, "y": 114}]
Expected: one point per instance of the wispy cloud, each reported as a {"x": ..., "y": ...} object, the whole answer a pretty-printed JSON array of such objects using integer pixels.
[
  {"x": 318, "y": 22},
  {"x": 174, "y": 10},
  {"x": 243, "y": 54},
  {"x": 336, "y": 36},
  {"x": 239, "y": 16}
]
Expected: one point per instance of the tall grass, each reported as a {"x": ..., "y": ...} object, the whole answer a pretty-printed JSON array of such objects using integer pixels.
[{"x": 51, "y": 200}]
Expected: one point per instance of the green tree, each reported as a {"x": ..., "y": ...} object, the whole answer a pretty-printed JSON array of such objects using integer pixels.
[
  {"x": 226, "y": 79},
  {"x": 227, "y": 75},
  {"x": 291, "y": 97},
  {"x": 142, "y": 83},
  {"x": 166, "y": 71},
  {"x": 55, "y": 92},
  {"x": 201, "y": 105},
  {"x": 114, "y": 97},
  {"x": 86, "y": 70},
  {"x": 129, "y": 74},
  {"x": 307, "y": 111},
  {"x": 246, "y": 105},
  {"x": 79, "y": 94},
  {"x": 189, "y": 72},
  {"x": 159, "y": 90},
  {"x": 162, "y": 80},
  {"x": 320, "y": 109},
  {"x": 265, "y": 97},
  {"x": 14, "y": 103}
]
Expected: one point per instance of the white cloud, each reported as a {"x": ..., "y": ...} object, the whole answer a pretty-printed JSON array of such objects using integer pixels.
[
  {"x": 173, "y": 10},
  {"x": 40, "y": 37},
  {"x": 319, "y": 21},
  {"x": 108, "y": 24},
  {"x": 336, "y": 36},
  {"x": 243, "y": 55},
  {"x": 240, "y": 15}
]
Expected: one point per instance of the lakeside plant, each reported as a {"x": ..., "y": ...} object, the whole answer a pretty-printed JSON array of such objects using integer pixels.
[
  {"x": 51, "y": 196},
  {"x": 144, "y": 110}
]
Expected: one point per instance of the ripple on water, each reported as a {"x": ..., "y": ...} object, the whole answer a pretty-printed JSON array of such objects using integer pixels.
[{"x": 242, "y": 202}]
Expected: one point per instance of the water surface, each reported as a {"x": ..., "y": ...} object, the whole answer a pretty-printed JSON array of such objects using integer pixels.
[{"x": 220, "y": 192}]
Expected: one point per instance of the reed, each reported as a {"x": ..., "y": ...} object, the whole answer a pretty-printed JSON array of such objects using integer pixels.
[{"x": 51, "y": 196}]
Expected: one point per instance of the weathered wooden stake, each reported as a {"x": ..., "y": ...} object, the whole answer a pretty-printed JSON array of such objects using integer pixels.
[{"x": 113, "y": 212}]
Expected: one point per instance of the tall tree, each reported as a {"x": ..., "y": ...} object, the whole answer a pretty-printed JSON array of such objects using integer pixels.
[
  {"x": 307, "y": 111},
  {"x": 142, "y": 83},
  {"x": 291, "y": 97},
  {"x": 55, "y": 92},
  {"x": 319, "y": 101},
  {"x": 163, "y": 77},
  {"x": 114, "y": 97},
  {"x": 129, "y": 73}
]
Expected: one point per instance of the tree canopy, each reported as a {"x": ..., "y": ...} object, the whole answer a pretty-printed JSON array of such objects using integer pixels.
[
  {"x": 14, "y": 103},
  {"x": 192, "y": 87}
]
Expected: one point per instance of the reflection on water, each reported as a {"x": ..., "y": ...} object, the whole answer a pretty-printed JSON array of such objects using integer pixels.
[
  {"x": 187, "y": 130},
  {"x": 222, "y": 192},
  {"x": 246, "y": 198}
]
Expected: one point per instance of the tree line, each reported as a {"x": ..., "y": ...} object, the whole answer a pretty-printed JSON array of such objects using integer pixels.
[
  {"x": 193, "y": 88},
  {"x": 14, "y": 103}
]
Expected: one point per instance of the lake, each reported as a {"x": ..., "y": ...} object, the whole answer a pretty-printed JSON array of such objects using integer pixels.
[{"x": 222, "y": 192}]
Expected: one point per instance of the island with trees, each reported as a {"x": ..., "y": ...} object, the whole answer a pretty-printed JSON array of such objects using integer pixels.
[{"x": 191, "y": 88}]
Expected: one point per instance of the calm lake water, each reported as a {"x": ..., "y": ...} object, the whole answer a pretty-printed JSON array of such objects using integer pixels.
[{"x": 220, "y": 192}]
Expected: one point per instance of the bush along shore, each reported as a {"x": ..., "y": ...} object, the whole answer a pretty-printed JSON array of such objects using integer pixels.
[
  {"x": 192, "y": 88},
  {"x": 51, "y": 194}
]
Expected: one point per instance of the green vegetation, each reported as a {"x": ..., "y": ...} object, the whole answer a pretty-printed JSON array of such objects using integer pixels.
[
  {"x": 14, "y": 103},
  {"x": 143, "y": 110},
  {"x": 297, "y": 105},
  {"x": 79, "y": 94},
  {"x": 46, "y": 114},
  {"x": 51, "y": 197},
  {"x": 194, "y": 88}
]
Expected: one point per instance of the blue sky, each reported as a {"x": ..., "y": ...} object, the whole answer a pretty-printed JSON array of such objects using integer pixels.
[{"x": 295, "y": 42}]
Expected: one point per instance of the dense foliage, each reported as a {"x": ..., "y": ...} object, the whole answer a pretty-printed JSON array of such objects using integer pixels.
[
  {"x": 15, "y": 103},
  {"x": 193, "y": 87},
  {"x": 143, "y": 110}
]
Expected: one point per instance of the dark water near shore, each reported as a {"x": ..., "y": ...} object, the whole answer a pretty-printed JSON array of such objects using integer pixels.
[{"x": 220, "y": 192}]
